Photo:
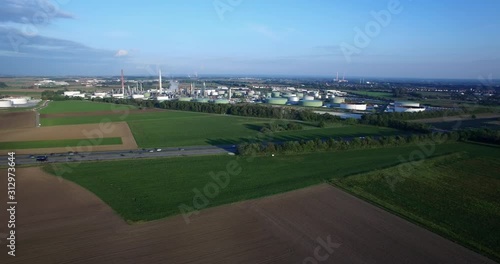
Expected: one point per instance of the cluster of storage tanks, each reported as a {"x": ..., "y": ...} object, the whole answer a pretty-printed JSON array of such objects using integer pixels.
[
  {"x": 13, "y": 102},
  {"x": 278, "y": 98}
]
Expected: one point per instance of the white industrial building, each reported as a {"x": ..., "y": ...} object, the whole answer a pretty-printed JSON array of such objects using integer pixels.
[
  {"x": 351, "y": 106},
  {"x": 408, "y": 107}
]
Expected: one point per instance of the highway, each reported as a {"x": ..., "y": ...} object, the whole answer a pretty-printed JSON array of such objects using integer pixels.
[{"x": 124, "y": 154}]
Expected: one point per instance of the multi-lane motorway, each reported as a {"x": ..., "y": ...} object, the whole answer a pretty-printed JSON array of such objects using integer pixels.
[{"x": 130, "y": 154}]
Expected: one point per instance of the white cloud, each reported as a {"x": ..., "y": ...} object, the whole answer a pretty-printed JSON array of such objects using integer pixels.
[{"x": 121, "y": 53}]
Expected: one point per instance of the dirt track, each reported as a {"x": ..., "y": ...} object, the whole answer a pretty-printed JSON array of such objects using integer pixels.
[
  {"x": 116, "y": 129},
  {"x": 59, "y": 222},
  {"x": 17, "y": 120}
]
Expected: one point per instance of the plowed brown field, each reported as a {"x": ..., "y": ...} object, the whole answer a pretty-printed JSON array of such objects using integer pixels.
[
  {"x": 88, "y": 131},
  {"x": 59, "y": 222},
  {"x": 17, "y": 120}
]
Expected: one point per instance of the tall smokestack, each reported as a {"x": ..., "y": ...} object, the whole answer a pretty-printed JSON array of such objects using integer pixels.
[
  {"x": 337, "y": 77},
  {"x": 160, "y": 80},
  {"x": 123, "y": 84}
]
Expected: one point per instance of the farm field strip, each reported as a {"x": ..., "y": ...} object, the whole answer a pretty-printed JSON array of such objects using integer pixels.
[
  {"x": 152, "y": 189},
  {"x": 279, "y": 229},
  {"x": 445, "y": 194},
  {"x": 72, "y": 132},
  {"x": 177, "y": 128}
]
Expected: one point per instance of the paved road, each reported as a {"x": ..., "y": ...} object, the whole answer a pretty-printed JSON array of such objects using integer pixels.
[{"x": 131, "y": 154}]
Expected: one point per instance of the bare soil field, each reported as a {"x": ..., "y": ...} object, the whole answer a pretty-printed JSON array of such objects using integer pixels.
[
  {"x": 100, "y": 113},
  {"x": 88, "y": 131},
  {"x": 17, "y": 120},
  {"x": 60, "y": 222}
]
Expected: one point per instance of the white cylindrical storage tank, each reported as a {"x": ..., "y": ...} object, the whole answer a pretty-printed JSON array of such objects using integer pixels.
[
  {"x": 359, "y": 107},
  {"x": 162, "y": 98},
  {"x": 222, "y": 92},
  {"x": 18, "y": 101},
  {"x": 5, "y": 103},
  {"x": 293, "y": 98},
  {"x": 308, "y": 98},
  {"x": 406, "y": 104},
  {"x": 138, "y": 96},
  {"x": 338, "y": 100},
  {"x": 251, "y": 93}
]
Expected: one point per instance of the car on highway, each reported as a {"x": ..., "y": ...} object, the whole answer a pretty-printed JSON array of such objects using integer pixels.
[{"x": 41, "y": 158}]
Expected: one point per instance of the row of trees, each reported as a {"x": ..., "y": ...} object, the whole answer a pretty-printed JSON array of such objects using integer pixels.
[
  {"x": 290, "y": 147},
  {"x": 280, "y": 126}
]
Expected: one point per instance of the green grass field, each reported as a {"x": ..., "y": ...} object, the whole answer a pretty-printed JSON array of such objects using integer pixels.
[
  {"x": 455, "y": 195},
  {"x": 57, "y": 143},
  {"x": 374, "y": 94},
  {"x": 177, "y": 128},
  {"x": 489, "y": 123},
  {"x": 150, "y": 189},
  {"x": 57, "y": 107}
]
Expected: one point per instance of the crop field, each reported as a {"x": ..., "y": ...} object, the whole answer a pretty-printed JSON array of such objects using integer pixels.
[
  {"x": 59, "y": 143},
  {"x": 490, "y": 123},
  {"x": 82, "y": 106},
  {"x": 154, "y": 188},
  {"x": 374, "y": 94},
  {"x": 176, "y": 128},
  {"x": 280, "y": 229},
  {"x": 454, "y": 195}
]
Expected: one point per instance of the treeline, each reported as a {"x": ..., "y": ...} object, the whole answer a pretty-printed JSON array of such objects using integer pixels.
[
  {"x": 432, "y": 114},
  {"x": 280, "y": 126},
  {"x": 291, "y": 147},
  {"x": 57, "y": 96},
  {"x": 385, "y": 120}
]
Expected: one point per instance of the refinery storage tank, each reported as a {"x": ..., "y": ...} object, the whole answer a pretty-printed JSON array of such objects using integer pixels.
[
  {"x": 293, "y": 98},
  {"x": 185, "y": 99},
  {"x": 276, "y": 94},
  {"x": 277, "y": 101},
  {"x": 338, "y": 100},
  {"x": 147, "y": 95},
  {"x": 406, "y": 104},
  {"x": 268, "y": 94},
  {"x": 222, "y": 92},
  {"x": 18, "y": 101},
  {"x": 162, "y": 98},
  {"x": 408, "y": 107},
  {"x": 311, "y": 103},
  {"x": 251, "y": 93},
  {"x": 300, "y": 95},
  {"x": 221, "y": 101},
  {"x": 5, "y": 103},
  {"x": 308, "y": 98},
  {"x": 359, "y": 107},
  {"x": 138, "y": 96},
  {"x": 202, "y": 100}
]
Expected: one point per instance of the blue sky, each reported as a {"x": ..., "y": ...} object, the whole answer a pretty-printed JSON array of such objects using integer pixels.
[{"x": 423, "y": 39}]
